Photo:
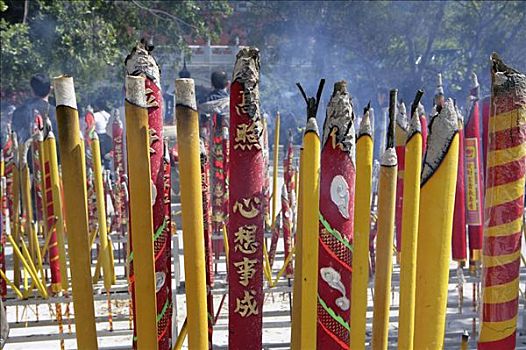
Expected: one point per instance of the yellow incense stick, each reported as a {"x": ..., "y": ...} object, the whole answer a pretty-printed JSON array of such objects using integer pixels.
[
  {"x": 362, "y": 213},
  {"x": 104, "y": 254},
  {"x": 275, "y": 167},
  {"x": 141, "y": 224},
  {"x": 76, "y": 211},
  {"x": 192, "y": 213},
  {"x": 384, "y": 252},
  {"x": 296, "y": 288},
  {"x": 310, "y": 189},
  {"x": 410, "y": 208},
  {"x": 50, "y": 149},
  {"x": 437, "y": 199}
]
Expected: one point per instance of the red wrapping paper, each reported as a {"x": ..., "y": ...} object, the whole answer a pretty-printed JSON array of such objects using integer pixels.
[
  {"x": 485, "y": 132},
  {"x": 423, "y": 122},
  {"x": 337, "y": 179},
  {"x": 161, "y": 231},
  {"x": 287, "y": 201},
  {"x": 141, "y": 62},
  {"x": 458, "y": 243},
  {"x": 474, "y": 177},
  {"x": 120, "y": 175},
  {"x": 219, "y": 182},
  {"x": 245, "y": 225},
  {"x": 400, "y": 139},
  {"x": 504, "y": 208},
  {"x": 53, "y": 253},
  {"x": 207, "y": 229},
  {"x": 3, "y": 232},
  {"x": 37, "y": 169}
]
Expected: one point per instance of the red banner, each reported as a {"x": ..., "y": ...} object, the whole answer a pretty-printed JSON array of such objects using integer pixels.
[{"x": 245, "y": 225}]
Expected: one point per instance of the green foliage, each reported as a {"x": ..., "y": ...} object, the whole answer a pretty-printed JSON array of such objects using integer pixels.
[
  {"x": 18, "y": 54},
  {"x": 89, "y": 39}
]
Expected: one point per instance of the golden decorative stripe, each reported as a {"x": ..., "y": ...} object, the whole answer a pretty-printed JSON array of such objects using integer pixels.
[
  {"x": 507, "y": 120},
  {"x": 504, "y": 193},
  {"x": 491, "y": 261},
  {"x": 491, "y": 331},
  {"x": 506, "y": 155},
  {"x": 501, "y": 293},
  {"x": 504, "y": 229}
]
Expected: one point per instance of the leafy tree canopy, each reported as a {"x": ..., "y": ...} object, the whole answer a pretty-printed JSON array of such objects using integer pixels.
[{"x": 89, "y": 39}]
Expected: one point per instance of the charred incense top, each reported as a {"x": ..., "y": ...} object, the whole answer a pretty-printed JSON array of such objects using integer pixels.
[
  {"x": 38, "y": 136},
  {"x": 135, "y": 90},
  {"x": 48, "y": 129},
  {"x": 93, "y": 136},
  {"x": 312, "y": 102},
  {"x": 440, "y": 86},
  {"x": 340, "y": 117},
  {"x": 401, "y": 117},
  {"x": 442, "y": 130},
  {"x": 415, "y": 127},
  {"x": 202, "y": 151},
  {"x": 185, "y": 93},
  {"x": 421, "y": 109},
  {"x": 117, "y": 118},
  {"x": 474, "y": 81},
  {"x": 416, "y": 111},
  {"x": 392, "y": 112},
  {"x": 141, "y": 62},
  {"x": 65, "y": 91},
  {"x": 312, "y": 126},
  {"x": 460, "y": 116},
  {"x": 284, "y": 193},
  {"x": 166, "y": 151},
  {"x": 365, "y": 124},
  {"x": 246, "y": 72},
  {"x": 389, "y": 158},
  {"x": 507, "y": 80}
]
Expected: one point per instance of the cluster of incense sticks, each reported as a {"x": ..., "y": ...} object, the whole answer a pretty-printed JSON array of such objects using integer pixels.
[{"x": 452, "y": 188}]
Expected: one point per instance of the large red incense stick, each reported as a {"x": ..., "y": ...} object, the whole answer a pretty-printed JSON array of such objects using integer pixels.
[
  {"x": 288, "y": 198},
  {"x": 245, "y": 224},
  {"x": 4, "y": 230},
  {"x": 219, "y": 180},
  {"x": 474, "y": 172},
  {"x": 207, "y": 230},
  {"x": 54, "y": 263},
  {"x": 423, "y": 123},
  {"x": 141, "y": 62},
  {"x": 337, "y": 177},
  {"x": 458, "y": 242},
  {"x": 37, "y": 169},
  {"x": 119, "y": 173},
  {"x": 504, "y": 208},
  {"x": 401, "y": 128}
]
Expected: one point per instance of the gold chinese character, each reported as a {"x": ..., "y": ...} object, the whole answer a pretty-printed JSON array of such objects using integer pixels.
[
  {"x": 248, "y": 208},
  {"x": 246, "y": 270},
  {"x": 245, "y": 239},
  {"x": 247, "y": 136},
  {"x": 247, "y": 306},
  {"x": 241, "y": 107}
]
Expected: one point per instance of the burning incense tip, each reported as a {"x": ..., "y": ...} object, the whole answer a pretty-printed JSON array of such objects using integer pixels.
[
  {"x": 365, "y": 124},
  {"x": 441, "y": 133},
  {"x": 185, "y": 93},
  {"x": 389, "y": 158},
  {"x": 65, "y": 91},
  {"x": 135, "y": 90}
]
